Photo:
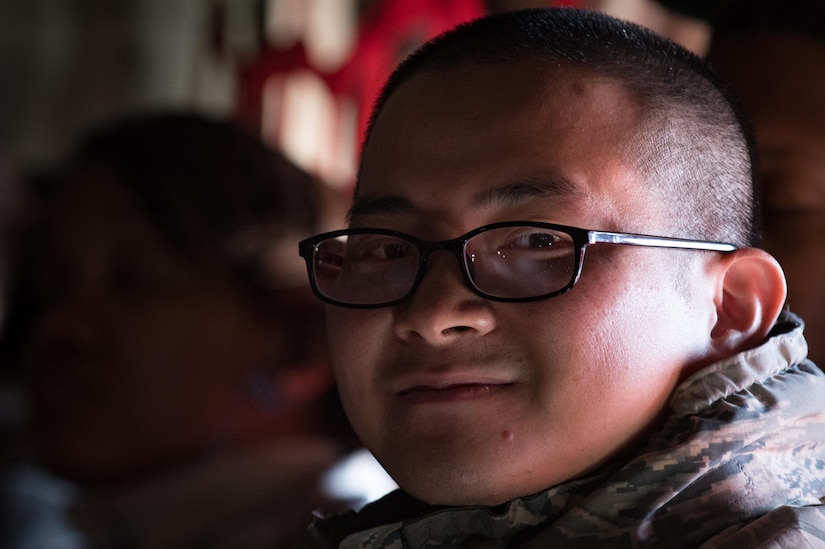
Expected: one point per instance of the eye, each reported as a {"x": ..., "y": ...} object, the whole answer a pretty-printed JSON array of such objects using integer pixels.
[
  {"x": 528, "y": 239},
  {"x": 378, "y": 248},
  {"x": 531, "y": 244},
  {"x": 521, "y": 261},
  {"x": 534, "y": 241}
]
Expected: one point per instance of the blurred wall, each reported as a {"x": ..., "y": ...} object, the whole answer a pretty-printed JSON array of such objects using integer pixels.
[{"x": 66, "y": 65}]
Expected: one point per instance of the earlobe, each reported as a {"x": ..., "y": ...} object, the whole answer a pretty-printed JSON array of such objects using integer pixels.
[{"x": 749, "y": 298}]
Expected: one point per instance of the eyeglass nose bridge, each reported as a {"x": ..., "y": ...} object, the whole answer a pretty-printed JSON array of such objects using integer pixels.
[{"x": 456, "y": 247}]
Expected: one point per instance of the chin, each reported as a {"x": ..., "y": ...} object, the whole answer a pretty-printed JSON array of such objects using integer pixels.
[{"x": 457, "y": 488}]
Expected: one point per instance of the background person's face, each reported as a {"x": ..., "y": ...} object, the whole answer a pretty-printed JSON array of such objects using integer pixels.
[
  {"x": 465, "y": 400},
  {"x": 780, "y": 79},
  {"x": 139, "y": 356}
]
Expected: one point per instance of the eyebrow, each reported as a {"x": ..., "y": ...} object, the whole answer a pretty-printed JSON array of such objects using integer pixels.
[
  {"x": 520, "y": 191},
  {"x": 510, "y": 194},
  {"x": 380, "y": 205}
]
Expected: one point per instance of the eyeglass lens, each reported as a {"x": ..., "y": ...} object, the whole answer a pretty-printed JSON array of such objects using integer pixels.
[{"x": 513, "y": 262}]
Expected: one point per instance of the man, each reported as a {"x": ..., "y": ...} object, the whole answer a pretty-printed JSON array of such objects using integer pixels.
[
  {"x": 532, "y": 371},
  {"x": 177, "y": 393},
  {"x": 773, "y": 55}
]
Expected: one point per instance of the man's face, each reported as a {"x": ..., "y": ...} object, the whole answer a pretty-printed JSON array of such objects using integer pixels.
[
  {"x": 783, "y": 94},
  {"x": 138, "y": 355},
  {"x": 469, "y": 401}
]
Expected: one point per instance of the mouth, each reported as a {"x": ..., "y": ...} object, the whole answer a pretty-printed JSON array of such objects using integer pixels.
[{"x": 453, "y": 391}]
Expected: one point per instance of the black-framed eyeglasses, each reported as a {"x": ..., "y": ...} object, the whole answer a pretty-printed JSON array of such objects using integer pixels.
[{"x": 511, "y": 261}]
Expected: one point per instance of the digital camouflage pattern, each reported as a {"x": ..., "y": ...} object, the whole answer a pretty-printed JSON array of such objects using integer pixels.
[{"x": 739, "y": 463}]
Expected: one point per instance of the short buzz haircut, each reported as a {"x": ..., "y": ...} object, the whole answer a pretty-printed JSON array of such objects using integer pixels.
[{"x": 694, "y": 147}]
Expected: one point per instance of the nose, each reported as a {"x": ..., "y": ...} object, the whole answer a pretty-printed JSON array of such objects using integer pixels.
[{"x": 442, "y": 309}]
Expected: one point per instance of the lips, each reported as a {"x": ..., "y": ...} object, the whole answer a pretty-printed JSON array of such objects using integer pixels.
[{"x": 450, "y": 388}]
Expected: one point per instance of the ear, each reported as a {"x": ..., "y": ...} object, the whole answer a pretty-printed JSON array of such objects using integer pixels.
[{"x": 748, "y": 300}]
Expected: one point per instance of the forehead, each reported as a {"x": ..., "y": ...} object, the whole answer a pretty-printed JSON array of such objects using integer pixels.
[
  {"x": 94, "y": 196},
  {"x": 477, "y": 136}
]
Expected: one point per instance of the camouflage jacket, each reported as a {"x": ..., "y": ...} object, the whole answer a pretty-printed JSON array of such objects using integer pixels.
[{"x": 739, "y": 463}]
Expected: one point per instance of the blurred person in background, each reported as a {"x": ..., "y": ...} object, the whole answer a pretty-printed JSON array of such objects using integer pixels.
[
  {"x": 12, "y": 218},
  {"x": 173, "y": 359},
  {"x": 773, "y": 56}
]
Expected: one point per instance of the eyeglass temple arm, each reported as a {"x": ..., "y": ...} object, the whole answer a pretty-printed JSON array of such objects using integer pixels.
[{"x": 596, "y": 237}]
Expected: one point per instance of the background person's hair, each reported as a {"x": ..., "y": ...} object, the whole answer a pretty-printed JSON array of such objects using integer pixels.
[
  {"x": 695, "y": 147},
  {"x": 212, "y": 188}
]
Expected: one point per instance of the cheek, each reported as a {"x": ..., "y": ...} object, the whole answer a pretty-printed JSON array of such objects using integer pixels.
[
  {"x": 176, "y": 344},
  {"x": 617, "y": 333},
  {"x": 190, "y": 363},
  {"x": 357, "y": 339},
  {"x": 357, "y": 336},
  {"x": 616, "y": 361}
]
